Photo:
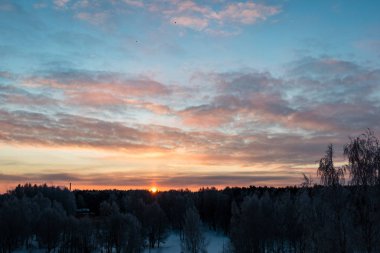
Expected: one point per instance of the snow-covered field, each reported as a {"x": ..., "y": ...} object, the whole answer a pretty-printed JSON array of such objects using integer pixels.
[{"x": 216, "y": 242}]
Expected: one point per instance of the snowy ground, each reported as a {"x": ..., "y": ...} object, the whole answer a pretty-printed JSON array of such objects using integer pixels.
[{"x": 215, "y": 241}]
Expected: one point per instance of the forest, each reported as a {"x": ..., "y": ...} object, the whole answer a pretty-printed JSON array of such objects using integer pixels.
[{"x": 340, "y": 213}]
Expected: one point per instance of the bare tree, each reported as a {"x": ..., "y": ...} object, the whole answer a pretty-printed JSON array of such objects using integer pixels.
[
  {"x": 193, "y": 238},
  {"x": 307, "y": 181},
  {"x": 49, "y": 228},
  {"x": 155, "y": 224},
  {"x": 363, "y": 155},
  {"x": 330, "y": 176}
]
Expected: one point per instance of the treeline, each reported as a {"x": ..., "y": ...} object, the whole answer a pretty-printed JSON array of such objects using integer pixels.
[
  {"x": 341, "y": 215},
  {"x": 293, "y": 219}
]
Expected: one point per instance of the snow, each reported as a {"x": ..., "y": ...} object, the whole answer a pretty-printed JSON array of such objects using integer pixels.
[{"x": 215, "y": 241}]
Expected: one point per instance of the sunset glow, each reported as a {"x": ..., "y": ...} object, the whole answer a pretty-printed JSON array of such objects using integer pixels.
[{"x": 182, "y": 94}]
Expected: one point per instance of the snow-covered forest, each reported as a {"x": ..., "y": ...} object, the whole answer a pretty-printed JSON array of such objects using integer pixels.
[{"x": 339, "y": 215}]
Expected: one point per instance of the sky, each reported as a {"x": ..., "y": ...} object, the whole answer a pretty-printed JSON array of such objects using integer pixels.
[{"x": 131, "y": 94}]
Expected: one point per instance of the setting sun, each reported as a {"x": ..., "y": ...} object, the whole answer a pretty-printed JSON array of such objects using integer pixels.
[{"x": 153, "y": 189}]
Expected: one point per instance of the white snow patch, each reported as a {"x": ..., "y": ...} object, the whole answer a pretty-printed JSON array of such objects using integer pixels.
[{"x": 216, "y": 242}]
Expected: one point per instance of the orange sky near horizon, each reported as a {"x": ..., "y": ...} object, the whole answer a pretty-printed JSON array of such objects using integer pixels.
[{"x": 105, "y": 169}]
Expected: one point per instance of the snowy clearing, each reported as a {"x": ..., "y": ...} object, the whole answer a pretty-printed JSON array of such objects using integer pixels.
[{"x": 216, "y": 242}]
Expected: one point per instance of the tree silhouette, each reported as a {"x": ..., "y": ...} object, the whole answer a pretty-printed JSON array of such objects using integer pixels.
[
  {"x": 363, "y": 155},
  {"x": 330, "y": 176},
  {"x": 193, "y": 238},
  {"x": 307, "y": 181},
  {"x": 156, "y": 224},
  {"x": 49, "y": 228}
]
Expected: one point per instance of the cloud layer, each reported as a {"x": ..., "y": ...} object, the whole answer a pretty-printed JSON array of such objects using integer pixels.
[{"x": 246, "y": 118}]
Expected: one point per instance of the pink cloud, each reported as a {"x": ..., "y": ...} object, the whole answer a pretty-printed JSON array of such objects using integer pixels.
[
  {"x": 206, "y": 116},
  {"x": 202, "y": 147},
  {"x": 92, "y": 98},
  {"x": 189, "y": 6},
  {"x": 246, "y": 12},
  {"x": 154, "y": 107},
  {"x": 212, "y": 18},
  {"x": 134, "y": 93},
  {"x": 99, "y": 98},
  {"x": 198, "y": 16},
  {"x": 29, "y": 100},
  {"x": 190, "y": 22},
  {"x": 126, "y": 87},
  {"x": 90, "y": 91}
]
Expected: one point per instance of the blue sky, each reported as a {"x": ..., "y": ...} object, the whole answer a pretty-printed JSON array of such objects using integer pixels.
[{"x": 182, "y": 93}]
